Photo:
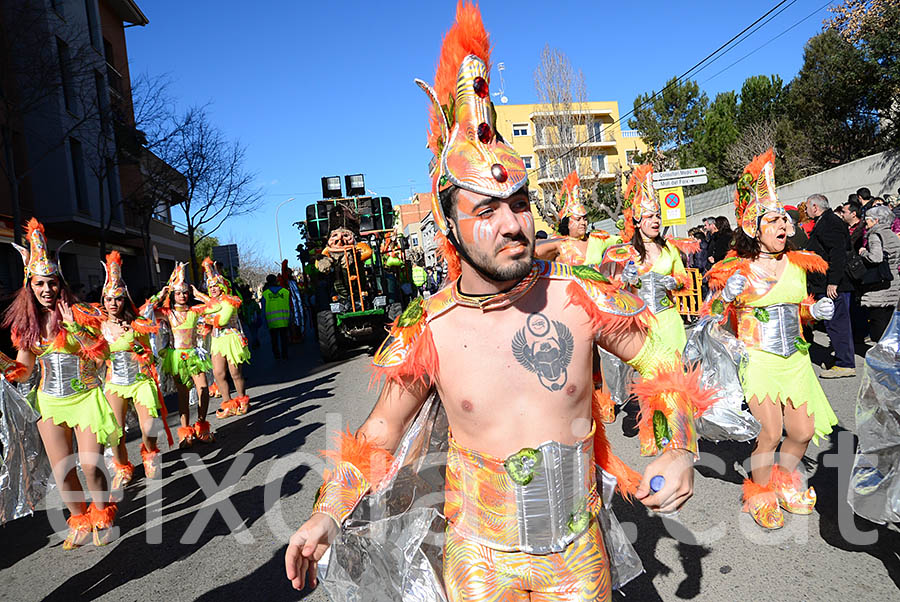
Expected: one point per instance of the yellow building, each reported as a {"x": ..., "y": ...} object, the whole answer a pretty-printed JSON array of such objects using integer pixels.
[{"x": 587, "y": 138}]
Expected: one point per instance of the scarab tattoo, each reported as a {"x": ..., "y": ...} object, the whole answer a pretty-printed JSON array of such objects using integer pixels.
[{"x": 546, "y": 354}]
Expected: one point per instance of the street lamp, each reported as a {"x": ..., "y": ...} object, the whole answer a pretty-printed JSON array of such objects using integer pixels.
[{"x": 277, "y": 233}]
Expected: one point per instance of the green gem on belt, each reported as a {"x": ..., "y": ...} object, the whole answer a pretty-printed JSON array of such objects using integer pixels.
[
  {"x": 579, "y": 519},
  {"x": 78, "y": 385},
  {"x": 718, "y": 306},
  {"x": 761, "y": 314},
  {"x": 520, "y": 466},
  {"x": 138, "y": 348},
  {"x": 801, "y": 345},
  {"x": 661, "y": 431}
]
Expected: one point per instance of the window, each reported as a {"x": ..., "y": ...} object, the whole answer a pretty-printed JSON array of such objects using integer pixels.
[
  {"x": 78, "y": 174},
  {"x": 414, "y": 240},
  {"x": 111, "y": 188},
  {"x": 630, "y": 156},
  {"x": 162, "y": 212},
  {"x": 596, "y": 131},
  {"x": 527, "y": 162},
  {"x": 598, "y": 163},
  {"x": 520, "y": 129},
  {"x": 100, "y": 84},
  {"x": 89, "y": 8},
  {"x": 65, "y": 72}
]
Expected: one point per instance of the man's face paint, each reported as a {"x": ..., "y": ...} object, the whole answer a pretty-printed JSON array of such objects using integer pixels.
[
  {"x": 773, "y": 232},
  {"x": 497, "y": 235},
  {"x": 577, "y": 226},
  {"x": 650, "y": 225}
]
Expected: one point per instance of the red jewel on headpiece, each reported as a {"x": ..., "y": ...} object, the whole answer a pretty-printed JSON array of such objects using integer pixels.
[
  {"x": 499, "y": 172},
  {"x": 485, "y": 133},
  {"x": 481, "y": 87}
]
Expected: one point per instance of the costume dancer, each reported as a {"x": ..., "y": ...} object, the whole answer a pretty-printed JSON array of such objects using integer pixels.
[
  {"x": 130, "y": 373},
  {"x": 649, "y": 264},
  {"x": 761, "y": 288},
  {"x": 508, "y": 318},
  {"x": 229, "y": 345},
  {"x": 576, "y": 247},
  {"x": 49, "y": 327},
  {"x": 186, "y": 361}
]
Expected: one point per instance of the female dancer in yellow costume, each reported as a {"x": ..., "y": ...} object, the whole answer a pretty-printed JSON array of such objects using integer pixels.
[
  {"x": 650, "y": 265},
  {"x": 229, "y": 345},
  {"x": 761, "y": 288},
  {"x": 130, "y": 374},
  {"x": 49, "y": 328},
  {"x": 183, "y": 360}
]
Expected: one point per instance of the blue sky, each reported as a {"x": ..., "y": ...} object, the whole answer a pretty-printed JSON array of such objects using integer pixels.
[{"x": 326, "y": 88}]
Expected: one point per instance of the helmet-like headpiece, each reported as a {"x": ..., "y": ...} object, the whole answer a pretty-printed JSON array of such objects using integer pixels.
[
  {"x": 468, "y": 151},
  {"x": 213, "y": 277},
  {"x": 755, "y": 194},
  {"x": 570, "y": 204},
  {"x": 641, "y": 193},
  {"x": 177, "y": 279},
  {"x": 36, "y": 257},
  {"x": 113, "y": 286}
]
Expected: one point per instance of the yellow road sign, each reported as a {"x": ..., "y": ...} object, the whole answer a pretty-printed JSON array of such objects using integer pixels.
[{"x": 671, "y": 205}]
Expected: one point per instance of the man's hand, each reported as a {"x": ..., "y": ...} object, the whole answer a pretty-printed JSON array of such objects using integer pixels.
[
  {"x": 831, "y": 291},
  {"x": 823, "y": 309},
  {"x": 676, "y": 466},
  {"x": 734, "y": 286},
  {"x": 306, "y": 548}
]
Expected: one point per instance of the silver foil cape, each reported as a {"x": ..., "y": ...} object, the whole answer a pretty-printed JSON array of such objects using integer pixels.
[
  {"x": 391, "y": 546},
  {"x": 25, "y": 471},
  {"x": 720, "y": 355},
  {"x": 874, "y": 490},
  {"x": 617, "y": 376}
]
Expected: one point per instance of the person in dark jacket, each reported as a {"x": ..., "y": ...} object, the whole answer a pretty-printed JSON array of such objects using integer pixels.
[
  {"x": 798, "y": 240},
  {"x": 720, "y": 242},
  {"x": 830, "y": 239}
]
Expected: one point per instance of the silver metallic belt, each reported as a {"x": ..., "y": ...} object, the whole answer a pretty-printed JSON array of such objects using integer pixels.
[
  {"x": 124, "y": 368},
  {"x": 779, "y": 327},
  {"x": 653, "y": 293},
  {"x": 62, "y": 375}
]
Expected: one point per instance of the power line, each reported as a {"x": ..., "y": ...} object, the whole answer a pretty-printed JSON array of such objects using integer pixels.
[{"x": 708, "y": 58}]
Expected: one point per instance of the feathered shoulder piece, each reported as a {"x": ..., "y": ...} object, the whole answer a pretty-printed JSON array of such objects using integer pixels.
[
  {"x": 720, "y": 272},
  {"x": 808, "y": 261},
  {"x": 621, "y": 253},
  {"x": 408, "y": 353},
  {"x": 688, "y": 246},
  {"x": 600, "y": 234},
  {"x": 88, "y": 315}
]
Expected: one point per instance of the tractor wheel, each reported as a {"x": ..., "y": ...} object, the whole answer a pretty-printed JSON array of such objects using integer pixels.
[
  {"x": 328, "y": 335},
  {"x": 394, "y": 310}
]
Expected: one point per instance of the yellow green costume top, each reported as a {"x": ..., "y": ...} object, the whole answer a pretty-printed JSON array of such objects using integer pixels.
[
  {"x": 129, "y": 369},
  {"x": 228, "y": 339},
  {"x": 779, "y": 368}
]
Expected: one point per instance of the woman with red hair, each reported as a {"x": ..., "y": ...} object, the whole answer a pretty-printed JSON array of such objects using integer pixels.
[
  {"x": 51, "y": 329},
  {"x": 130, "y": 373}
]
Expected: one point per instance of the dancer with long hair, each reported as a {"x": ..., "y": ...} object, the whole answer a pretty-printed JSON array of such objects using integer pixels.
[
  {"x": 229, "y": 347},
  {"x": 52, "y": 330},
  {"x": 130, "y": 372},
  {"x": 760, "y": 289},
  {"x": 185, "y": 360}
]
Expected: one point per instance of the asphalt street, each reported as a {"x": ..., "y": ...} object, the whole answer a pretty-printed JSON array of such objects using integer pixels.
[{"x": 213, "y": 542}]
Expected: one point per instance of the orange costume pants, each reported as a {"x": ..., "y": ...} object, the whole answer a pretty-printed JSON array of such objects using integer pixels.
[{"x": 473, "y": 571}]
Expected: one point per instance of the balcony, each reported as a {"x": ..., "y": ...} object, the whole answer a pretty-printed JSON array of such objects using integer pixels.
[
  {"x": 542, "y": 144},
  {"x": 556, "y": 176},
  {"x": 630, "y": 134},
  {"x": 115, "y": 82},
  {"x": 539, "y": 115}
]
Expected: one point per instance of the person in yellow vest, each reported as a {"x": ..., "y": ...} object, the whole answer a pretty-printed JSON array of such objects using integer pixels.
[
  {"x": 419, "y": 277},
  {"x": 276, "y": 305}
]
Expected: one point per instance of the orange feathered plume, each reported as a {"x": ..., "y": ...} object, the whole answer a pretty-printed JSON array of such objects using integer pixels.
[
  {"x": 628, "y": 231},
  {"x": 637, "y": 176},
  {"x": 103, "y": 519},
  {"x": 372, "y": 461},
  {"x": 674, "y": 381},
  {"x": 447, "y": 252},
  {"x": 688, "y": 246},
  {"x": 809, "y": 262},
  {"x": 752, "y": 490},
  {"x": 754, "y": 168},
  {"x": 571, "y": 181},
  {"x": 113, "y": 257},
  {"x": 466, "y": 36},
  {"x": 421, "y": 363},
  {"x": 782, "y": 478},
  {"x": 33, "y": 225}
]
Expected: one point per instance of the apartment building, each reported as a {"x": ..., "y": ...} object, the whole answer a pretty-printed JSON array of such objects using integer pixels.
[{"x": 73, "y": 157}]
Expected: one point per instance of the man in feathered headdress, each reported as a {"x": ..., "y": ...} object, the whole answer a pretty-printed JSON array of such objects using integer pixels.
[
  {"x": 505, "y": 319},
  {"x": 575, "y": 246}
]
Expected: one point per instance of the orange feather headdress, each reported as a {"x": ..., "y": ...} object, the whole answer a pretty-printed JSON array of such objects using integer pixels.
[
  {"x": 468, "y": 151},
  {"x": 114, "y": 286},
  {"x": 641, "y": 193},
  {"x": 570, "y": 198},
  {"x": 37, "y": 256},
  {"x": 755, "y": 193}
]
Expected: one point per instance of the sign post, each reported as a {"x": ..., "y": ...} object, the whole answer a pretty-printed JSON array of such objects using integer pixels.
[
  {"x": 671, "y": 203},
  {"x": 669, "y": 186}
]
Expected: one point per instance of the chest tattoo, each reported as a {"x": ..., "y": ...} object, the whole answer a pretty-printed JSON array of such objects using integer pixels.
[{"x": 543, "y": 352}]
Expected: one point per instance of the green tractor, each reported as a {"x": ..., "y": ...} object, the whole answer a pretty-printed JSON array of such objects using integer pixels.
[{"x": 362, "y": 303}]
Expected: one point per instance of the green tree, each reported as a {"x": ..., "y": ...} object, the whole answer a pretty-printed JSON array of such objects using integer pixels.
[
  {"x": 762, "y": 99},
  {"x": 833, "y": 101},
  {"x": 203, "y": 245},
  {"x": 670, "y": 121},
  {"x": 719, "y": 131}
]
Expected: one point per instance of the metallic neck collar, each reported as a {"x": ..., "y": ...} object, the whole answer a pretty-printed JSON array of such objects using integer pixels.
[{"x": 497, "y": 300}]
